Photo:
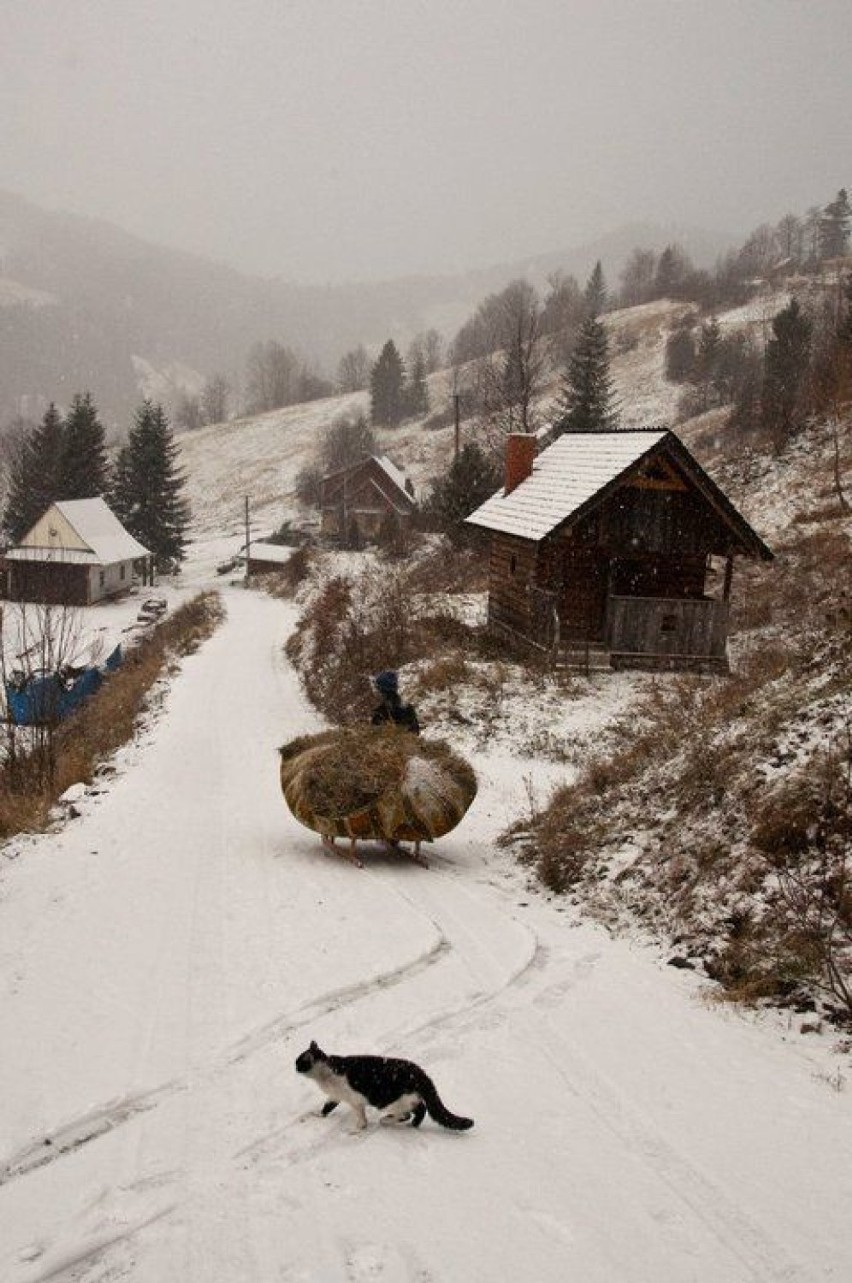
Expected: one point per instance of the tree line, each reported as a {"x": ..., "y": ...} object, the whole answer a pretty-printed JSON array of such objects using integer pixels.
[
  {"x": 65, "y": 457},
  {"x": 517, "y": 319}
]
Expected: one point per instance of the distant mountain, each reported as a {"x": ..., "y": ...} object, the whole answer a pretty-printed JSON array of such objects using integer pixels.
[{"x": 86, "y": 306}]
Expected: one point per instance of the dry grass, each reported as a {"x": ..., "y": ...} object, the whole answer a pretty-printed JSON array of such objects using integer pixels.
[
  {"x": 105, "y": 722},
  {"x": 756, "y": 879},
  {"x": 359, "y": 764}
]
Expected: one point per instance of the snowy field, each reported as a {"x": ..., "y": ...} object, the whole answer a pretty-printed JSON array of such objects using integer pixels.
[{"x": 166, "y": 956}]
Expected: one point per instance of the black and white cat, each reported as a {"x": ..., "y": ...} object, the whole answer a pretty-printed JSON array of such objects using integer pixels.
[{"x": 401, "y": 1089}]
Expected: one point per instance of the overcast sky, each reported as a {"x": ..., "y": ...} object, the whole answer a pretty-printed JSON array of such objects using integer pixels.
[{"x": 330, "y": 140}]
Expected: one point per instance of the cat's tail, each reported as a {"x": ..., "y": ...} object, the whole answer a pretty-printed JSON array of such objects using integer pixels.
[{"x": 438, "y": 1110}]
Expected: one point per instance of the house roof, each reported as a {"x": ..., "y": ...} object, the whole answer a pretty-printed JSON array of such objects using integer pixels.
[
  {"x": 579, "y": 468},
  {"x": 272, "y": 552},
  {"x": 101, "y": 539},
  {"x": 387, "y": 466}
]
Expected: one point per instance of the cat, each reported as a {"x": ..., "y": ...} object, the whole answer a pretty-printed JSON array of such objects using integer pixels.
[{"x": 399, "y": 1087}]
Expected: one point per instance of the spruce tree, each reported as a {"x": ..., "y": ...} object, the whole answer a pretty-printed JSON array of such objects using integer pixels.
[
  {"x": 834, "y": 227},
  {"x": 588, "y": 400},
  {"x": 84, "y": 465},
  {"x": 471, "y": 478},
  {"x": 387, "y": 379},
  {"x": 35, "y": 475},
  {"x": 595, "y": 294},
  {"x": 147, "y": 485},
  {"x": 786, "y": 366},
  {"x": 416, "y": 392}
]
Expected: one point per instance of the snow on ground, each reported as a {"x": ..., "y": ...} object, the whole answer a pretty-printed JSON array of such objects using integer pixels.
[{"x": 165, "y": 957}]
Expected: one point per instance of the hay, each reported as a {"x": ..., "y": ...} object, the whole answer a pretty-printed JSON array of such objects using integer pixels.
[{"x": 376, "y": 781}]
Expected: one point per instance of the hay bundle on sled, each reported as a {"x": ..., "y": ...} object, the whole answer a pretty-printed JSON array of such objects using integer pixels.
[{"x": 375, "y": 783}]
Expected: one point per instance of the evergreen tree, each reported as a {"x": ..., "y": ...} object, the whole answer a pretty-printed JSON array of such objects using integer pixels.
[
  {"x": 680, "y": 355},
  {"x": 834, "y": 227},
  {"x": 588, "y": 401},
  {"x": 35, "y": 475},
  {"x": 84, "y": 465},
  {"x": 595, "y": 294},
  {"x": 146, "y": 493},
  {"x": 416, "y": 392},
  {"x": 387, "y": 384},
  {"x": 786, "y": 366},
  {"x": 471, "y": 478}
]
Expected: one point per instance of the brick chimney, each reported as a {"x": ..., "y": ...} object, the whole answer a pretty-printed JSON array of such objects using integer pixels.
[{"x": 520, "y": 453}]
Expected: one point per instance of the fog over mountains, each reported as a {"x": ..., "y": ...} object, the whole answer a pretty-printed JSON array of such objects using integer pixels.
[{"x": 87, "y": 306}]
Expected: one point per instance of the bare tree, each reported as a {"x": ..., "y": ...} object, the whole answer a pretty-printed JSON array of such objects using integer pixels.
[
  {"x": 637, "y": 277},
  {"x": 508, "y": 379},
  {"x": 353, "y": 370},
  {"x": 215, "y": 399},
  {"x": 426, "y": 350}
]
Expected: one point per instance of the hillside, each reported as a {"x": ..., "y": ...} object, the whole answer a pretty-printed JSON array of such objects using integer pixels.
[
  {"x": 86, "y": 306},
  {"x": 260, "y": 456}
]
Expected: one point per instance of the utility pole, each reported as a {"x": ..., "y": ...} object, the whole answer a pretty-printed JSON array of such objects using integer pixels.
[
  {"x": 248, "y": 538},
  {"x": 457, "y": 417}
]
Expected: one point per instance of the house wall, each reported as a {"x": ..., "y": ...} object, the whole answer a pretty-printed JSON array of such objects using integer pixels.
[
  {"x": 659, "y": 628},
  {"x": 52, "y": 530},
  {"x": 59, "y": 583},
  {"x": 669, "y": 521},
  {"x": 110, "y": 581},
  {"x": 366, "y": 507},
  {"x": 511, "y": 579},
  {"x": 66, "y": 583}
]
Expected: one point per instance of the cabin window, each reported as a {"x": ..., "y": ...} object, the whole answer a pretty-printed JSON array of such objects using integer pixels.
[
  {"x": 122, "y": 570},
  {"x": 102, "y": 578},
  {"x": 513, "y": 564},
  {"x": 668, "y": 624}
]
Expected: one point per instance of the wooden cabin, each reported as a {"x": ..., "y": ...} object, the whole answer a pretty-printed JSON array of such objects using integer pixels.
[
  {"x": 613, "y": 549},
  {"x": 77, "y": 553},
  {"x": 359, "y": 502}
]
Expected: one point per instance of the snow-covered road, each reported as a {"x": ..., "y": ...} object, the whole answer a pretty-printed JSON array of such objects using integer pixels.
[{"x": 165, "y": 957}]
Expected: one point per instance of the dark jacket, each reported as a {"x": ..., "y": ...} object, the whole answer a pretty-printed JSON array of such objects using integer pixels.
[{"x": 392, "y": 709}]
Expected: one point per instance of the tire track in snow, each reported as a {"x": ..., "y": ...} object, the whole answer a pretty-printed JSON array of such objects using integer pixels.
[
  {"x": 81, "y": 1131},
  {"x": 335, "y": 1000},
  {"x": 105, "y": 1119},
  {"x": 707, "y": 1202},
  {"x": 704, "y": 1200}
]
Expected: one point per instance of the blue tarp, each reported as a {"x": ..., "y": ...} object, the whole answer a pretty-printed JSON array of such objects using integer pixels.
[{"x": 52, "y": 696}]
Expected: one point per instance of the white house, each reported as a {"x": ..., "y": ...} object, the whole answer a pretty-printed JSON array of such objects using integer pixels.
[{"x": 77, "y": 553}]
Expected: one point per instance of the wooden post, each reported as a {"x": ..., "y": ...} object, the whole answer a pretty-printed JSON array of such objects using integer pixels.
[
  {"x": 457, "y": 418},
  {"x": 248, "y": 538}
]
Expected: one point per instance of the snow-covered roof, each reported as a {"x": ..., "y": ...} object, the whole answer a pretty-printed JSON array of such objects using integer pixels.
[
  {"x": 388, "y": 466},
  {"x": 580, "y": 466},
  {"x": 85, "y": 531},
  {"x": 564, "y": 477},
  {"x": 260, "y": 551}
]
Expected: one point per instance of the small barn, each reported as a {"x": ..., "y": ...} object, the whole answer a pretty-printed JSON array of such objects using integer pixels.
[
  {"x": 613, "y": 549},
  {"x": 77, "y": 553},
  {"x": 359, "y": 502}
]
